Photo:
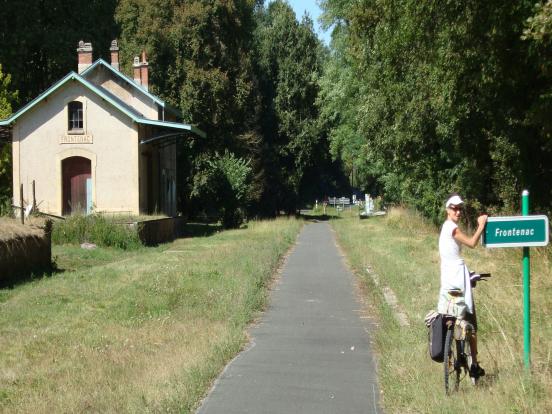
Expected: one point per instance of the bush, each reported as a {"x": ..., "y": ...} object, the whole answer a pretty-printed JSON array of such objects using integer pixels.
[
  {"x": 94, "y": 229},
  {"x": 6, "y": 209},
  {"x": 221, "y": 185}
]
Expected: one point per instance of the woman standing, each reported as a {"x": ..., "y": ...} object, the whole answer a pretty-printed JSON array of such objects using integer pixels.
[{"x": 455, "y": 277}]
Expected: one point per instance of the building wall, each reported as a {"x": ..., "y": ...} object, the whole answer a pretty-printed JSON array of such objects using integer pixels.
[
  {"x": 127, "y": 93},
  {"x": 40, "y": 143}
]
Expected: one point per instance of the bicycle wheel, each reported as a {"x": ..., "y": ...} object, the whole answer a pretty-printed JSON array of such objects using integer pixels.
[{"x": 451, "y": 369}]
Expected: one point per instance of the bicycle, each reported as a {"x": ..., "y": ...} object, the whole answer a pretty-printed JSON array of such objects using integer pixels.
[{"x": 457, "y": 352}]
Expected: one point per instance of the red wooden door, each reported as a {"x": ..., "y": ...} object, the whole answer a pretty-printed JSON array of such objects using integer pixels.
[{"x": 76, "y": 170}]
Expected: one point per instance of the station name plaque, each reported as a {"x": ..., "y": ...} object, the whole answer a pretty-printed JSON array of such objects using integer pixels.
[{"x": 76, "y": 139}]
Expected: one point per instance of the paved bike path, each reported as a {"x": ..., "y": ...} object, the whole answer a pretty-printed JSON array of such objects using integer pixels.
[{"x": 310, "y": 352}]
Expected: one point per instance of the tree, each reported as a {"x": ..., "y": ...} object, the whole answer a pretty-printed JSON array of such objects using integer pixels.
[
  {"x": 7, "y": 97},
  {"x": 199, "y": 52},
  {"x": 289, "y": 57},
  {"x": 39, "y": 39},
  {"x": 436, "y": 97},
  {"x": 222, "y": 183}
]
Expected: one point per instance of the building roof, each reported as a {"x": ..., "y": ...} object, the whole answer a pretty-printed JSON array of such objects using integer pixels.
[
  {"x": 102, "y": 63},
  {"x": 108, "y": 97}
]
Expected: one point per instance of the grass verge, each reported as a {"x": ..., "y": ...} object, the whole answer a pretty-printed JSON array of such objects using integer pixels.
[
  {"x": 402, "y": 250},
  {"x": 135, "y": 331}
]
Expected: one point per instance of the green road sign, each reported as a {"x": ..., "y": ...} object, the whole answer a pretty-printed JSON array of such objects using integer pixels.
[{"x": 516, "y": 231}]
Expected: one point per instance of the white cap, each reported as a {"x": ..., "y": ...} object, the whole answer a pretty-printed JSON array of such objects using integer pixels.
[{"x": 455, "y": 200}]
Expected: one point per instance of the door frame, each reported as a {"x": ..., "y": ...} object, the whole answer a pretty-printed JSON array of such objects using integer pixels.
[{"x": 68, "y": 153}]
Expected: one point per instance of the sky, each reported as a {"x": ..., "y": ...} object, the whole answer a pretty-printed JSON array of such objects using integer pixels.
[{"x": 310, "y": 6}]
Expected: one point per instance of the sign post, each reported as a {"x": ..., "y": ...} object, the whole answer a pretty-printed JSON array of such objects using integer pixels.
[
  {"x": 526, "y": 289},
  {"x": 520, "y": 231}
]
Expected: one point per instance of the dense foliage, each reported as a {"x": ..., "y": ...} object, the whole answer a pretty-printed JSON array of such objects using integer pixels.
[
  {"x": 7, "y": 98},
  {"x": 221, "y": 184},
  {"x": 429, "y": 97},
  {"x": 295, "y": 146},
  {"x": 200, "y": 55},
  {"x": 39, "y": 39},
  {"x": 247, "y": 75}
]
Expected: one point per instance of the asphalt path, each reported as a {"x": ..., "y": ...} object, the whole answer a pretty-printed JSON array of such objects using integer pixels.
[{"x": 310, "y": 353}]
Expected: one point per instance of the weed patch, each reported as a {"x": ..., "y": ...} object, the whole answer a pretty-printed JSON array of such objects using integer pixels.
[{"x": 96, "y": 229}]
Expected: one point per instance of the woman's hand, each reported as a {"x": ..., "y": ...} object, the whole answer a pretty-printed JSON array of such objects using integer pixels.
[
  {"x": 482, "y": 220},
  {"x": 472, "y": 241}
]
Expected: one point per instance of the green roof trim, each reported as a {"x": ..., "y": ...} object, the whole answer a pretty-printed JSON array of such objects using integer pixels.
[
  {"x": 38, "y": 99},
  {"x": 101, "y": 62},
  {"x": 108, "y": 97}
]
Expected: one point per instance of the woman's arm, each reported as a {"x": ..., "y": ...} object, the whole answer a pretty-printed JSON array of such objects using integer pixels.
[{"x": 471, "y": 241}]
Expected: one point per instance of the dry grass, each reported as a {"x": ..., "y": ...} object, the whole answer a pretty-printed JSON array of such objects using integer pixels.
[
  {"x": 12, "y": 229},
  {"x": 403, "y": 250},
  {"x": 142, "y": 331}
]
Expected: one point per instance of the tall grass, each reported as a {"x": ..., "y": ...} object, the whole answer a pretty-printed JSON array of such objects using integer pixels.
[
  {"x": 135, "y": 331},
  {"x": 96, "y": 229},
  {"x": 403, "y": 250}
]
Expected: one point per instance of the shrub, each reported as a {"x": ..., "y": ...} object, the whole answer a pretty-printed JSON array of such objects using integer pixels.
[
  {"x": 95, "y": 229},
  {"x": 221, "y": 185}
]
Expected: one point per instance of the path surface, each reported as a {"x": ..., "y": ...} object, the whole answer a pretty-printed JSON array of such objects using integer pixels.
[{"x": 310, "y": 352}]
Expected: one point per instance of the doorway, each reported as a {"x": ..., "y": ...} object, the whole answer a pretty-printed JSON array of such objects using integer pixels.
[{"x": 77, "y": 185}]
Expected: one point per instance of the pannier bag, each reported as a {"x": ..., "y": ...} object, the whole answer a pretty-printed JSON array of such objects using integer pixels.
[{"x": 437, "y": 332}]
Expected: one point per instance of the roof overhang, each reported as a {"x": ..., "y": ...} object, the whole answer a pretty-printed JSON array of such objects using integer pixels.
[
  {"x": 174, "y": 126},
  {"x": 164, "y": 139}
]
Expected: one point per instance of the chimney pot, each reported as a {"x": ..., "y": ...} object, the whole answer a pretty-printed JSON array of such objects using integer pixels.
[
  {"x": 114, "y": 49},
  {"x": 136, "y": 70},
  {"x": 141, "y": 75},
  {"x": 84, "y": 53},
  {"x": 144, "y": 73}
]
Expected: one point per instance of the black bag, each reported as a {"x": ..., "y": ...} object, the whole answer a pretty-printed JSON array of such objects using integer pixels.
[{"x": 437, "y": 332}]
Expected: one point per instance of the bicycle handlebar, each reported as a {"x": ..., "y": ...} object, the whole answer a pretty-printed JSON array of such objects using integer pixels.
[{"x": 476, "y": 277}]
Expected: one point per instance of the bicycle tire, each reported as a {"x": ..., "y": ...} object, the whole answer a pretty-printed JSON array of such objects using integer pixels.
[{"x": 451, "y": 372}]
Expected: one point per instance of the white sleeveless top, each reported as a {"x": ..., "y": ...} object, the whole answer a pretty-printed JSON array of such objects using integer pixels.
[{"x": 449, "y": 250}]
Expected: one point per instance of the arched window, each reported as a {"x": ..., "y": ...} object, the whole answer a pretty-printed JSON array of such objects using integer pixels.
[{"x": 75, "y": 114}]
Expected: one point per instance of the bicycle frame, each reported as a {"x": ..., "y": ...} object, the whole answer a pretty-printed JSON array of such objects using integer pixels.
[{"x": 457, "y": 352}]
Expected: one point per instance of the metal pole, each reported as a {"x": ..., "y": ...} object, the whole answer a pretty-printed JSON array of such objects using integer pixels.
[
  {"x": 21, "y": 204},
  {"x": 34, "y": 198},
  {"x": 526, "y": 290}
]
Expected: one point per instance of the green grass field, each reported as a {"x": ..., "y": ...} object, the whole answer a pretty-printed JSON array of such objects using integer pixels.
[
  {"x": 402, "y": 250},
  {"x": 145, "y": 330}
]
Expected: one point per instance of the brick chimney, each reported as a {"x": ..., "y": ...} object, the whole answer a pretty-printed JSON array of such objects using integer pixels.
[
  {"x": 84, "y": 52},
  {"x": 141, "y": 75},
  {"x": 136, "y": 69},
  {"x": 114, "y": 49},
  {"x": 144, "y": 75}
]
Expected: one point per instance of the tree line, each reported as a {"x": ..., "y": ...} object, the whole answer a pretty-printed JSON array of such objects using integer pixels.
[{"x": 425, "y": 98}]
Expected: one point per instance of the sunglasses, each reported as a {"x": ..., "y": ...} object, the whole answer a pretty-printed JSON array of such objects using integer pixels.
[{"x": 456, "y": 208}]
